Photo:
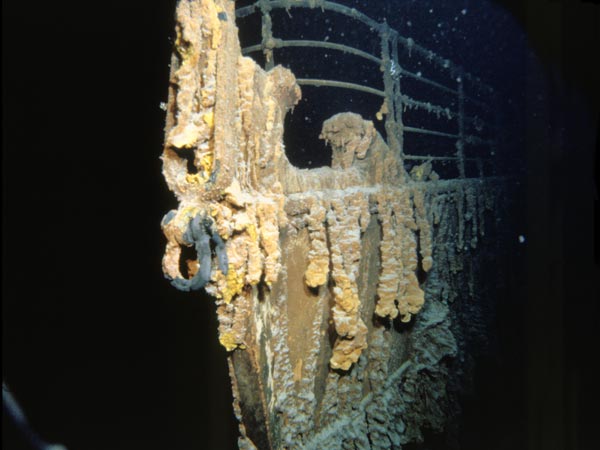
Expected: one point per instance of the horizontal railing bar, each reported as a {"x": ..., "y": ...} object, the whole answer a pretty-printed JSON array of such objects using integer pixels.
[
  {"x": 325, "y": 5},
  {"x": 441, "y": 158},
  {"x": 438, "y": 109},
  {"x": 431, "y": 132},
  {"x": 279, "y": 43},
  {"x": 411, "y": 46},
  {"x": 429, "y": 107},
  {"x": 428, "y": 81},
  {"x": 469, "y": 139},
  {"x": 340, "y": 84},
  {"x": 252, "y": 48}
]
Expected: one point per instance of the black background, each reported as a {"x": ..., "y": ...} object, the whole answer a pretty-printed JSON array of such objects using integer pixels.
[{"x": 103, "y": 353}]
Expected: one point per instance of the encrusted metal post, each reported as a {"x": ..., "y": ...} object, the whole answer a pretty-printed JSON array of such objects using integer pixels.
[
  {"x": 397, "y": 95},
  {"x": 388, "y": 87},
  {"x": 460, "y": 143},
  {"x": 268, "y": 43}
]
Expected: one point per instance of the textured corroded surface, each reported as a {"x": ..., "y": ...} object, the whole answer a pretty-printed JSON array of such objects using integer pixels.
[{"x": 333, "y": 286}]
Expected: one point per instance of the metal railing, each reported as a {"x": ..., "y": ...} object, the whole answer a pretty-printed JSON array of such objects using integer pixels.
[{"x": 397, "y": 101}]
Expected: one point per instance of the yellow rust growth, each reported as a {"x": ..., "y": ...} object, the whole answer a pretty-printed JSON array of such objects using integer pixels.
[
  {"x": 383, "y": 110},
  {"x": 391, "y": 260},
  {"x": 343, "y": 220},
  {"x": 412, "y": 299},
  {"x": 234, "y": 284},
  {"x": 317, "y": 272},
  {"x": 228, "y": 341},
  {"x": 209, "y": 119},
  {"x": 193, "y": 178},
  {"x": 398, "y": 289},
  {"x": 424, "y": 229}
]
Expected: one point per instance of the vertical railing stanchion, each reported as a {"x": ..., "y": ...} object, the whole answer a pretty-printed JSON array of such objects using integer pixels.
[
  {"x": 460, "y": 143},
  {"x": 397, "y": 96},
  {"x": 268, "y": 42},
  {"x": 388, "y": 87}
]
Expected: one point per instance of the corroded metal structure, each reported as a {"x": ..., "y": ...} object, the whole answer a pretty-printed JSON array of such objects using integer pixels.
[{"x": 341, "y": 291}]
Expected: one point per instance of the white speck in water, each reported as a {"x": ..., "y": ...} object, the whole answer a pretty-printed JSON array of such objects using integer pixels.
[
  {"x": 409, "y": 23},
  {"x": 326, "y": 38},
  {"x": 163, "y": 106},
  {"x": 439, "y": 25},
  {"x": 463, "y": 12},
  {"x": 459, "y": 79},
  {"x": 431, "y": 11},
  {"x": 419, "y": 74},
  {"x": 521, "y": 239}
]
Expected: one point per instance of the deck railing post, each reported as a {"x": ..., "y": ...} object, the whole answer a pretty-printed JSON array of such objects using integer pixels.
[
  {"x": 460, "y": 143},
  {"x": 388, "y": 87},
  {"x": 397, "y": 96},
  {"x": 268, "y": 43}
]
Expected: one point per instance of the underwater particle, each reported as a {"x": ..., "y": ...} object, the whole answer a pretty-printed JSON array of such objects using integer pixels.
[
  {"x": 464, "y": 12},
  {"x": 521, "y": 239},
  {"x": 163, "y": 106}
]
